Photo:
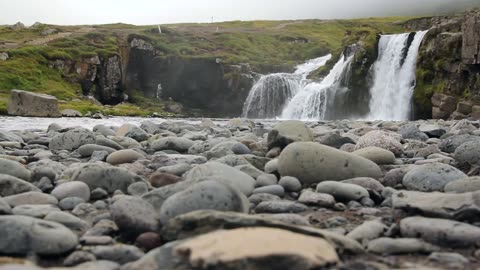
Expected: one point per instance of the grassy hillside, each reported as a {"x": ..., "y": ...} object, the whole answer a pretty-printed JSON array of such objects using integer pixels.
[{"x": 259, "y": 43}]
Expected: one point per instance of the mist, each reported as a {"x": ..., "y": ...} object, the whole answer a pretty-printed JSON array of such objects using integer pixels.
[{"x": 143, "y": 12}]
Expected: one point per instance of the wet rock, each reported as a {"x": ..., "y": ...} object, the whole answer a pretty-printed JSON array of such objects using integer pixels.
[
  {"x": 441, "y": 231},
  {"x": 390, "y": 246},
  {"x": 213, "y": 195},
  {"x": 72, "y": 189},
  {"x": 22, "y": 235},
  {"x": 342, "y": 191},
  {"x": 134, "y": 216},
  {"x": 272, "y": 246},
  {"x": 288, "y": 132},
  {"x": 313, "y": 163},
  {"x": 431, "y": 177}
]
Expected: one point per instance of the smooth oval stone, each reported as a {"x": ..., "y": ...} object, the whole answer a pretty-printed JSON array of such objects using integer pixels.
[
  {"x": 343, "y": 191},
  {"x": 468, "y": 153},
  {"x": 376, "y": 154},
  {"x": 431, "y": 177},
  {"x": 23, "y": 235},
  {"x": 88, "y": 149},
  {"x": 288, "y": 132},
  {"x": 272, "y": 189},
  {"x": 31, "y": 197},
  {"x": 15, "y": 169},
  {"x": 213, "y": 195},
  {"x": 291, "y": 184},
  {"x": 12, "y": 185},
  {"x": 134, "y": 216},
  {"x": 172, "y": 143},
  {"x": 72, "y": 189},
  {"x": 312, "y": 163},
  {"x": 123, "y": 156},
  {"x": 470, "y": 184}
]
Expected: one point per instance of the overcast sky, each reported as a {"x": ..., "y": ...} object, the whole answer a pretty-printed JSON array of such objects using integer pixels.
[{"x": 174, "y": 11}]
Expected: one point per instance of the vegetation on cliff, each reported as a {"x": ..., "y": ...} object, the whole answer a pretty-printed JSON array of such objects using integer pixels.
[{"x": 265, "y": 45}]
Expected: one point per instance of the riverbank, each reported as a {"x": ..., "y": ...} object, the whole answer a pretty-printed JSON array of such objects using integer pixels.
[{"x": 136, "y": 193}]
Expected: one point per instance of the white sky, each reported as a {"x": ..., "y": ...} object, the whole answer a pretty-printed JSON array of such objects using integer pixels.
[{"x": 173, "y": 11}]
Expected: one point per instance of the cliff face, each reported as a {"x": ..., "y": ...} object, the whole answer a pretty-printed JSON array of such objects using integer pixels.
[
  {"x": 448, "y": 65},
  {"x": 198, "y": 83}
]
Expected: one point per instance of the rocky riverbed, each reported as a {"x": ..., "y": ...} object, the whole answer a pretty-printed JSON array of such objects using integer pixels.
[{"x": 239, "y": 194}]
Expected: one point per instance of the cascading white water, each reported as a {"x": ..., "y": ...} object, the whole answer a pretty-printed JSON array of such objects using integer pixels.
[
  {"x": 394, "y": 77},
  {"x": 269, "y": 95},
  {"x": 313, "y": 100}
]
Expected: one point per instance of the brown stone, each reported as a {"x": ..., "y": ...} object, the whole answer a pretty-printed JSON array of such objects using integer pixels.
[
  {"x": 159, "y": 179},
  {"x": 448, "y": 104},
  {"x": 437, "y": 113},
  {"x": 253, "y": 248},
  {"x": 475, "y": 115},
  {"x": 464, "y": 107},
  {"x": 148, "y": 241},
  {"x": 23, "y": 103},
  {"x": 457, "y": 116}
]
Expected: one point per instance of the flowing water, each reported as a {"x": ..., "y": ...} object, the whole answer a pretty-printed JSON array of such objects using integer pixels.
[
  {"x": 394, "y": 77},
  {"x": 270, "y": 94}
]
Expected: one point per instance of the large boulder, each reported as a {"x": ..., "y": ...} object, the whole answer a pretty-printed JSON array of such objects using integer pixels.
[
  {"x": 312, "y": 163},
  {"x": 242, "y": 181},
  {"x": 431, "y": 177},
  {"x": 471, "y": 38},
  {"x": 134, "y": 216},
  {"x": 25, "y": 235},
  {"x": 25, "y": 103},
  {"x": 252, "y": 248},
  {"x": 381, "y": 139},
  {"x": 206, "y": 195},
  {"x": 288, "y": 132},
  {"x": 72, "y": 139}
]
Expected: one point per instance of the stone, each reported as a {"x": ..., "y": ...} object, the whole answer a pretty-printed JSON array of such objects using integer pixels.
[
  {"x": 78, "y": 257},
  {"x": 252, "y": 248},
  {"x": 138, "y": 189},
  {"x": 391, "y": 246},
  {"x": 5, "y": 208},
  {"x": 72, "y": 189},
  {"x": 87, "y": 150},
  {"x": 70, "y": 113},
  {"x": 214, "y": 195},
  {"x": 432, "y": 130},
  {"x": 178, "y": 169},
  {"x": 125, "y": 142},
  {"x": 70, "y": 203},
  {"x": 262, "y": 197},
  {"x": 31, "y": 197},
  {"x": 342, "y": 191},
  {"x": 290, "y": 184},
  {"x": 123, "y": 156},
  {"x": 148, "y": 241},
  {"x": 271, "y": 189},
  {"x": 72, "y": 139},
  {"x": 120, "y": 254},
  {"x": 380, "y": 139},
  {"x": 312, "y": 163},
  {"x": 201, "y": 222},
  {"x": 266, "y": 180},
  {"x": 41, "y": 172},
  {"x": 22, "y": 235},
  {"x": 288, "y": 132},
  {"x": 102, "y": 176},
  {"x": 470, "y": 184},
  {"x": 134, "y": 216},
  {"x": 462, "y": 206},
  {"x": 444, "y": 232},
  {"x": 68, "y": 220},
  {"x": 376, "y": 154},
  {"x": 101, "y": 140},
  {"x": 11, "y": 185},
  {"x": 23, "y": 103},
  {"x": 449, "y": 258},
  {"x": 158, "y": 179},
  {"x": 368, "y": 231},
  {"x": 280, "y": 207},
  {"x": 471, "y": 38},
  {"x": 450, "y": 144},
  {"x": 367, "y": 183},
  {"x": 394, "y": 177},
  {"x": 240, "y": 149},
  {"x": 468, "y": 153},
  {"x": 133, "y": 132},
  {"x": 234, "y": 177},
  {"x": 411, "y": 131},
  {"x": 172, "y": 143},
  {"x": 312, "y": 198},
  {"x": 431, "y": 177},
  {"x": 15, "y": 169},
  {"x": 162, "y": 160},
  {"x": 37, "y": 211},
  {"x": 4, "y": 56},
  {"x": 250, "y": 170}
]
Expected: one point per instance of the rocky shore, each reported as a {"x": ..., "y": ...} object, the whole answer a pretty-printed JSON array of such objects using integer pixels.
[{"x": 242, "y": 195}]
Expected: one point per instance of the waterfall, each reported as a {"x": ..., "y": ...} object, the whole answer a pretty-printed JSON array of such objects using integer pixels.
[
  {"x": 314, "y": 99},
  {"x": 394, "y": 76},
  {"x": 271, "y": 92}
]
